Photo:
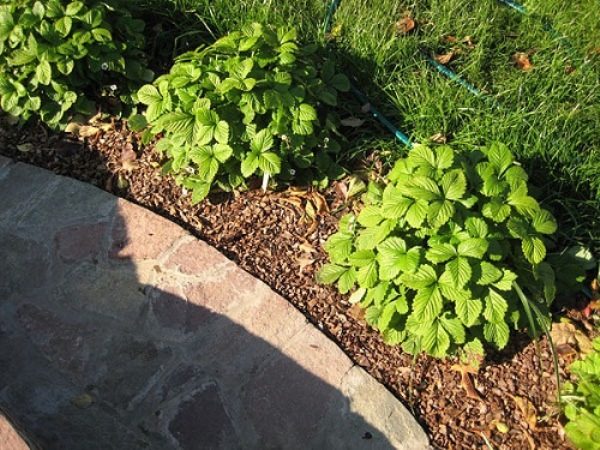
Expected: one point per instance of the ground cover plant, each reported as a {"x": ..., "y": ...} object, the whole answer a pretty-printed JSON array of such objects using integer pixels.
[
  {"x": 57, "y": 57},
  {"x": 254, "y": 102},
  {"x": 547, "y": 115},
  {"x": 582, "y": 399},
  {"x": 440, "y": 253}
]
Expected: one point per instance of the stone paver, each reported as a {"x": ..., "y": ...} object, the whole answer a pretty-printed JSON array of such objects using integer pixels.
[{"x": 120, "y": 330}]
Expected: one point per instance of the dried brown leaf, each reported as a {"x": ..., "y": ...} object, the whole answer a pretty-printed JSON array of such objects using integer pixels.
[
  {"x": 87, "y": 131},
  {"x": 465, "y": 379},
  {"x": 341, "y": 189},
  {"x": 522, "y": 62},
  {"x": 310, "y": 210},
  {"x": 405, "y": 25},
  {"x": 527, "y": 410},
  {"x": 320, "y": 203},
  {"x": 439, "y": 138},
  {"x": 566, "y": 333},
  {"x": 357, "y": 312},
  {"x": 307, "y": 248},
  {"x": 468, "y": 41},
  {"x": 444, "y": 58},
  {"x": 303, "y": 262}
]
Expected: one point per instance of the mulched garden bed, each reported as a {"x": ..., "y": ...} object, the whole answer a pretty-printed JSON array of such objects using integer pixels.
[{"x": 277, "y": 237}]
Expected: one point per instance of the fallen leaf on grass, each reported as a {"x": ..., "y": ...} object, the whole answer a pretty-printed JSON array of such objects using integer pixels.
[
  {"x": 522, "y": 61},
  {"x": 444, "y": 58},
  {"x": 405, "y": 25},
  {"x": 566, "y": 333},
  {"x": 527, "y": 410},
  {"x": 468, "y": 41},
  {"x": 439, "y": 138}
]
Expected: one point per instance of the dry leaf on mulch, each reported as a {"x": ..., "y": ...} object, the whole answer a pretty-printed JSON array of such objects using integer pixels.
[{"x": 565, "y": 333}]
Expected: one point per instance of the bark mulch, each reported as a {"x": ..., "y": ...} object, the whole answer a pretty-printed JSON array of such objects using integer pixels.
[{"x": 277, "y": 236}]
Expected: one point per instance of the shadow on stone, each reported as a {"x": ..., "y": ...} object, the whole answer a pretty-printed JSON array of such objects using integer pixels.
[{"x": 120, "y": 330}]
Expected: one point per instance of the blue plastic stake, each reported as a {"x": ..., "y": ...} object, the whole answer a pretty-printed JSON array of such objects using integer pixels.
[
  {"x": 381, "y": 118},
  {"x": 453, "y": 76},
  {"x": 515, "y": 5},
  {"x": 333, "y": 6}
]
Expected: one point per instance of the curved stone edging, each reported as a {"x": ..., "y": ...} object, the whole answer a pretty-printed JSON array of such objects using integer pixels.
[{"x": 118, "y": 329}]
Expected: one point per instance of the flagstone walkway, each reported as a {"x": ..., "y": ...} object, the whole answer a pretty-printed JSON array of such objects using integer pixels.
[{"x": 120, "y": 330}]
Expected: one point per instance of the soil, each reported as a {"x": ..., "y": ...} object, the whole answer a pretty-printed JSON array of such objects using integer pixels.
[{"x": 277, "y": 236}]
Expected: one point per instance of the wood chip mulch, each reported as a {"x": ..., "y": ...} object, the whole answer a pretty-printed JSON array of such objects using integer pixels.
[{"x": 509, "y": 404}]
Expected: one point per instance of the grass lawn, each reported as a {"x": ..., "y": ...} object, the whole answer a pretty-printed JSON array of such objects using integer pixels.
[{"x": 549, "y": 115}]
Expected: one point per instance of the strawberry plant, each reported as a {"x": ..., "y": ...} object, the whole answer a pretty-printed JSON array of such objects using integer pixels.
[
  {"x": 449, "y": 254},
  {"x": 57, "y": 56},
  {"x": 252, "y": 103},
  {"x": 582, "y": 401}
]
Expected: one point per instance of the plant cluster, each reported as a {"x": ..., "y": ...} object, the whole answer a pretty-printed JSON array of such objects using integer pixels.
[
  {"x": 56, "y": 56},
  {"x": 249, "y": 104},
  {"x": 583, "y": 401},
  {"x": 450, "y": 253}
]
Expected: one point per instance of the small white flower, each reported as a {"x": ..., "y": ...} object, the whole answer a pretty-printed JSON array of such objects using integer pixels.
[
  {"x": 292, "y": 172},
  {"x": 104, "y": 66},
  {"x": 113, "y": 87}
]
